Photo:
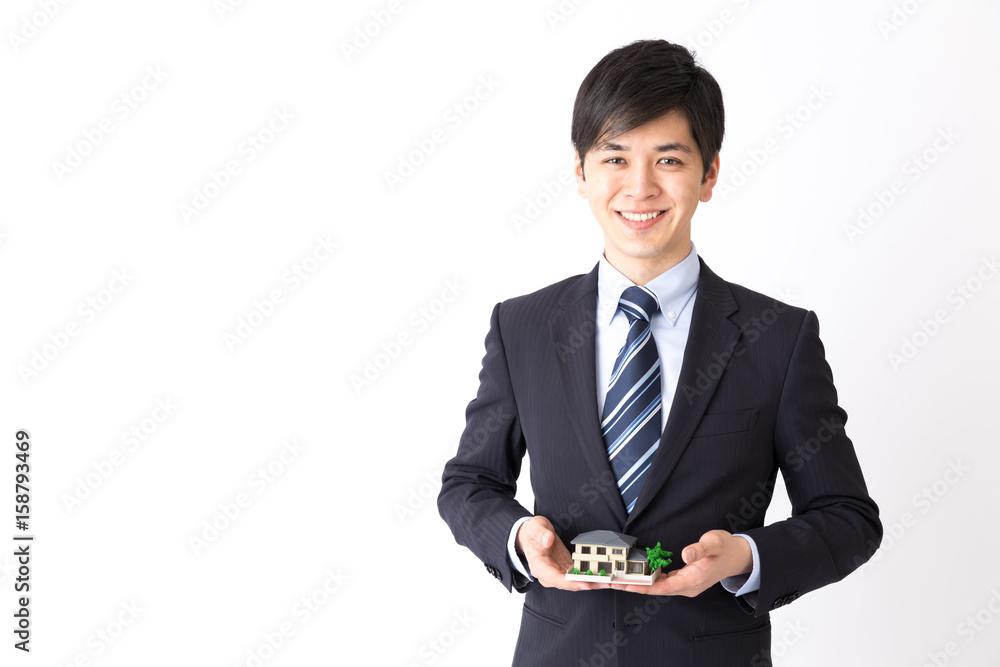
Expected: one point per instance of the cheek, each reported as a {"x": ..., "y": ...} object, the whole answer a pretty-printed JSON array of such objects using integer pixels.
[
  {"x": 598, "y": 196},
  {"x": 605, "y": 192},
  {"x": 686, "y": 193},
  {"x": 598, "y": 210}
]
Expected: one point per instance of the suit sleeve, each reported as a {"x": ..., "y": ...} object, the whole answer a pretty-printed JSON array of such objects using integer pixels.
[
  {"x": 478, "y": 484},
  {"x": 834, "y": 527}
]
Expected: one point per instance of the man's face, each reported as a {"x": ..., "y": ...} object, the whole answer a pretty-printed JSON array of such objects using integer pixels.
[{"x": 643, "y": 187}]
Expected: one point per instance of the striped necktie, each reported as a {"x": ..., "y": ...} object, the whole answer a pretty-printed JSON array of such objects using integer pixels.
[{"x": 631, "y": 420}]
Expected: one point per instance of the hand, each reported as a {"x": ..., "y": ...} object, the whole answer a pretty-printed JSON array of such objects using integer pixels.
[
  {"x": 717, "y": 555},
  {"x": 548, "y": 559}
]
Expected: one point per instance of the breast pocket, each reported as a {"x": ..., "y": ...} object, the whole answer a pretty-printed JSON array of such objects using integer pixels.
[{"x": 722, "y": 423}]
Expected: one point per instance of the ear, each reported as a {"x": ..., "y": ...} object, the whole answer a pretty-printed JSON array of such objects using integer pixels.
[
  {"x": 711, "y": 178},
  {"x": 581, "y": 179}
]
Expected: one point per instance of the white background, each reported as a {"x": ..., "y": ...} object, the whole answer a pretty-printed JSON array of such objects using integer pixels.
[{"x": 354, "y": 510}]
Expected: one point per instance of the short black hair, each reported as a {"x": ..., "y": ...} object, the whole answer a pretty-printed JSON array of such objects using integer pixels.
[{"x": 640, "y": 82}]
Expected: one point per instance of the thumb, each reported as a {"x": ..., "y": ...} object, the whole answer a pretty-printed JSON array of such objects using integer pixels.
[
  {"x": 692, "y": 553},
  {"x": 711, "y": 543},
  {"x": 546, "y": 539}
]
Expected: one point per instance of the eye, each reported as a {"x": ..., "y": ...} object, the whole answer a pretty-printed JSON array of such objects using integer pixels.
[
  {"x": 615, "y": 160},
  {"x": 669, "y": 160}
]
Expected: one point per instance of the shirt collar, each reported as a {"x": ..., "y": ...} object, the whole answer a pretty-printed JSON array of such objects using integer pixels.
[{"x": 673, "y": 288}]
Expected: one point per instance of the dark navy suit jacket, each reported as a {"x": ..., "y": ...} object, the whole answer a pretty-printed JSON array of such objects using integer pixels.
[{"x": 755, "y": 395}]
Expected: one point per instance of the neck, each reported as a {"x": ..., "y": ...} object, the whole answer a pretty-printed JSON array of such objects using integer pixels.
[{"x": 641, "y": 270}]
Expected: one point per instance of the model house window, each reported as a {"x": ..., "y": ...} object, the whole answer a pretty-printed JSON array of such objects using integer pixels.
[
  {"x": 620, "y": 565},
  {"x": 584, "y": 565},
  {"x": 616, "y": 552},
  {"x": 601, "y": 551},
  {"x": 585, "y": 550}
]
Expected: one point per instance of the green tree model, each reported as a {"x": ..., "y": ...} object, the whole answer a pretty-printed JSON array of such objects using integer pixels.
[{"x": 658, "y": 557}]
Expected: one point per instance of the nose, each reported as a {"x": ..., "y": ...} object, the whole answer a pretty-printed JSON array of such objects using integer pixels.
[{"x": 639, "y": 182}]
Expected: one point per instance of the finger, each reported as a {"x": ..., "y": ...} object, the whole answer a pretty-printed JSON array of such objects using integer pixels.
[
  {"x": 583, "y": 585},
  {"x": 552, "y": 578},
  {"x": 655, "y": 589}
]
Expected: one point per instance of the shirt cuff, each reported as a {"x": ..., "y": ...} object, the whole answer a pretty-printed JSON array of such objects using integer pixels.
[
  {"x": 517, "y": 562},
  {"x": 742, "y": 584}
]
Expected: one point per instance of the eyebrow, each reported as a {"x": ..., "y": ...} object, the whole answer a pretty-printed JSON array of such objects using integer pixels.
[{"x": 665, "y": 148}]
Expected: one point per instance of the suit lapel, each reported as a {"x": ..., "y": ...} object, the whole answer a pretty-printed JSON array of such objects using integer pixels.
[
  {"x": 573, "y": 337},
  {"x": 712, "y": 337}
]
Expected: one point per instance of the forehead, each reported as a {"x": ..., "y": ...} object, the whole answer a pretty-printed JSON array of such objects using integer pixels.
[{"x": 671, "y": 131}]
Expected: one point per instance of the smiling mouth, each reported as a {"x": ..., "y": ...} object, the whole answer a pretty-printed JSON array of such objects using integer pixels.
[
  {"x": 643, "y": 219},
  {"x": 640, "y": 217}
]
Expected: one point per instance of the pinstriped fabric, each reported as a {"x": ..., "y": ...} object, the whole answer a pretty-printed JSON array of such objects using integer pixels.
[{"x": 631, "y": 423}]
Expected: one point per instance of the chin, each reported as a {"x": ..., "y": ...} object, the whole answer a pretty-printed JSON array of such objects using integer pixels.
[{"x": 642, "y": 250}]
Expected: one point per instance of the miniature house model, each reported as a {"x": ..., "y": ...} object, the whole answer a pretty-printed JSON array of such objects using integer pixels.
[{"x": 615, "y": 554}]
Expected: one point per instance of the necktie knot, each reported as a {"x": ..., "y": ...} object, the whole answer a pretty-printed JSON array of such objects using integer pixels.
[{"x": 639, "y": 303}]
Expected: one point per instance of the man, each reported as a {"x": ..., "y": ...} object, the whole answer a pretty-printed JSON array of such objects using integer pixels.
[{"x": 659, "y": 401}]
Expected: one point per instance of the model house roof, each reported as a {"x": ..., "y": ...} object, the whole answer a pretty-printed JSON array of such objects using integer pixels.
[
  {"x": 606, "y": 538},
  {"x": 638, "y": 555}
]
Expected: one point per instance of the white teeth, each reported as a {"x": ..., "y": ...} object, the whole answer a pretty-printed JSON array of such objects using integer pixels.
[{"x": 643, "y": 217}]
